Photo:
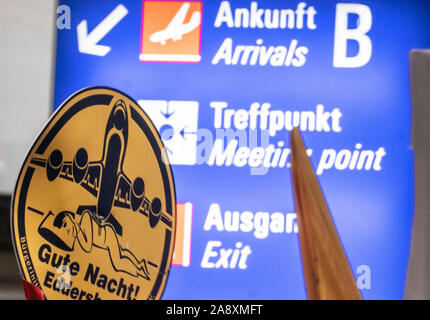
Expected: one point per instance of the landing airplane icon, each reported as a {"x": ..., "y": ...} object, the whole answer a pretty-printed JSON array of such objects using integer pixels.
[{"x": 177, "y": 28}]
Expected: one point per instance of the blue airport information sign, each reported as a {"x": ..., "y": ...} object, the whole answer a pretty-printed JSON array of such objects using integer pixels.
[{"x": 225, "y": 82}]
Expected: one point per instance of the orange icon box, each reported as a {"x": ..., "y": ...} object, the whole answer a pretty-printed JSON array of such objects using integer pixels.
[
  {"x": 182, "y": 249},
  {"x": 171, "y": 31}
]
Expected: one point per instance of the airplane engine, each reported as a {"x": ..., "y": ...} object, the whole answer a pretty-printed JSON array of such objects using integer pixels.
[
  {"x": 54, "y": 164},
  {"x": 155, "y": 212},
  {"x": 80, "y": 165},
  {"x": 137, "y": 194}
]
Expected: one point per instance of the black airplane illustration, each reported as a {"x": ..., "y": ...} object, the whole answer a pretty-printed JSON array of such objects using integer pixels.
[{"x": 105, "y": 179}]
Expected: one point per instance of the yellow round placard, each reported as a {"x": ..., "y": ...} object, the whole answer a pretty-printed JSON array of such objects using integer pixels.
[{"x": 94, "y": 208}]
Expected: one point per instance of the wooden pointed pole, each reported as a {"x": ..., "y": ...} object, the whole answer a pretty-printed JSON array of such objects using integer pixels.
[{"x": 327, "y": 273}]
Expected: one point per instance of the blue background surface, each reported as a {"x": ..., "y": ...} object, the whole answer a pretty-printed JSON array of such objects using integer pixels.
[{"x": 372, "y": 210}]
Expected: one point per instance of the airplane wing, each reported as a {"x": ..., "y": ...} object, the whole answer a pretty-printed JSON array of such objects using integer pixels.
[
  {"x": 179, "y": 18},
  {"x": 123, "y": 199},
  {"x": 90, "y": 181},
  {"x": 191, "y": 25}
]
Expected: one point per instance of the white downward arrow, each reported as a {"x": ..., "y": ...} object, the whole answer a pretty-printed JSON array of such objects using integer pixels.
[{"x": 87, "y": 43}]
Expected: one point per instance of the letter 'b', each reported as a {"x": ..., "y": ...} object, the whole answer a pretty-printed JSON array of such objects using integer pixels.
[{"x": 342, "y": 34}]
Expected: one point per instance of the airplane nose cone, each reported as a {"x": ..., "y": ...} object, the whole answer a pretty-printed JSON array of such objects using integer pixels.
[
  {"x": 119, "y": 120},
  {"x": 154, "y": 37}
]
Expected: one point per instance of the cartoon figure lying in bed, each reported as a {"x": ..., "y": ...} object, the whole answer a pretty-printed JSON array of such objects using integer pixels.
[{"x": 63, "y": 229}]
